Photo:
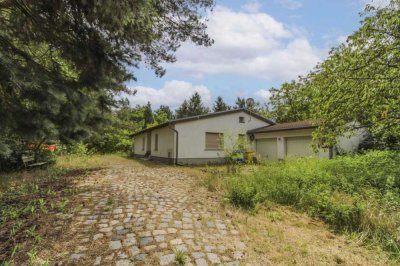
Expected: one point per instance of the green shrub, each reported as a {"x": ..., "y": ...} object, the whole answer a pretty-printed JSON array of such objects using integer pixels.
[{"x": 354, "y": 193}]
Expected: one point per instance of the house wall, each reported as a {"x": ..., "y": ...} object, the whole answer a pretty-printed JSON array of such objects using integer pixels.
[
  {"x": 345, "y": 144},
  {"x": 281, "y": 141},
  {"x": 192, "y": 147},
  {"x": 166, "y": 143},
  {"x": 137, "y": 144},
  {"x": 349, "y": 142}
]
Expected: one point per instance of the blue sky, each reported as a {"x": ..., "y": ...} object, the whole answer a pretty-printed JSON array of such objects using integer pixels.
[{"x": 259, "y": 44}]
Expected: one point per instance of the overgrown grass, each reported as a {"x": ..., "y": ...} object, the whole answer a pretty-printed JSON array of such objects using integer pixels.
[
  {"x": 358, "y": 194},
  {"x": 25, "y": 205}
]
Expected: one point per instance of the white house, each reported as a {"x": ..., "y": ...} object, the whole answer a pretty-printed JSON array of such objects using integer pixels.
[{"x": 200, "y": 139}]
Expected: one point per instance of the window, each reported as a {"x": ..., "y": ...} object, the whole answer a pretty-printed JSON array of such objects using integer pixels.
[
  {"x": 156, "y": 142},
  {"x": 241, "y": 119},
  {"x": 143, "y": 142},
  {"x": 241, "y": 141},
  {"x": 214, "y": 141}
]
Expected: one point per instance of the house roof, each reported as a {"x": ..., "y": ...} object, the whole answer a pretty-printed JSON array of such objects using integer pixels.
[
  {"x": 192, "y": 118},
  {"x": 283, "y": 127}
]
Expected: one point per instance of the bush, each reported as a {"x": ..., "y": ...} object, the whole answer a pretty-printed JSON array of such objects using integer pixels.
[{"x": 355, "y": 193}]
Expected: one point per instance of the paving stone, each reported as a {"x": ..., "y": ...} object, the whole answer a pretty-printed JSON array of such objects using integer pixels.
[
  {"x": 156, "y": 214},
  {"x": 182, "y": 247},
  {"x": 144, "y": 241},
  {"x": 159, "y": 232},
  {"x": 198, "y": 255},
  {"x": 167, "y": 259},
  {"x": 134, "y": 251},
  {"x": 150, "y": 248},
  {"x": 141, "y": 257},
  {"x": 98, "y": 236},
  {"x": 201, "y": 262},
  {"x": 115, "y": 245},
  {"x": 97, "y": 261},
  {"x": 163, "y": 245},
  {"x": 124, "y": 263},
  {"x": 172, "y": 230},
  {"x": 76, "y": 256},
  {"x": 237, "y": 255},
  {"x": 213, "y": 258},
  {"x": 159, "y": 238},
  {"x": 129, "y": 242},
  {"x": 176, "y": 241}
]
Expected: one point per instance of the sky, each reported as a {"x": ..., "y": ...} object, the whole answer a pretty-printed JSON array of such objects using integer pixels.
[{"x": 258, "y": 44}]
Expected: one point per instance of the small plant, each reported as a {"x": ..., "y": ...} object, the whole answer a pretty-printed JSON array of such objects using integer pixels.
[
  {"x": 61, "y": 205},
  {"x": 32, "y": 233},
  {"x": 32, "y": 255},
  {"x": 181, "y": 257},
  {"x": 275, "y": 216}
]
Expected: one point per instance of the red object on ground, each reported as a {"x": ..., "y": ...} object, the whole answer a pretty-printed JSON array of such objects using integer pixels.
[{"x": 47, "y": 147}]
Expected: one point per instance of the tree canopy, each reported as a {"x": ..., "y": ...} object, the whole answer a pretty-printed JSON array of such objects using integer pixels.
[
  {"x": 193, "y": 107},
  {"x": 356, "y": 86},
  {"x": 62, "y": 62},
  {"x": 220, "y": 105}
]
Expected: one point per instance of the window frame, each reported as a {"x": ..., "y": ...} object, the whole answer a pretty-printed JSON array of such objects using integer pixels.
[
  {"x": 143, "y": 142},
  {"x": 220, "y": 138},
  {"x": 242, "y": 120},
  {"x": 156, "y": 142}
]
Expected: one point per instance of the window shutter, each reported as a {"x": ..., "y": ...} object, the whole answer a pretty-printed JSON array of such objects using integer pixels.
[{"x": 214, "y": 140}]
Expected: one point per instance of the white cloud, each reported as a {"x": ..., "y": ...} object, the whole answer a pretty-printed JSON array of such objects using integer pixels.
[
  {"x": 289, "y": 4},
  {"x": 263, "y": 94},
  {"x": 253, "y": 45},
  {"x": 252, "y": 6},
  {"x": 172, "y": 93}
]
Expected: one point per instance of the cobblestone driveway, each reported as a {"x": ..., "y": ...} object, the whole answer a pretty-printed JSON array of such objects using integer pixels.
[{"x": 144, "y": 216}]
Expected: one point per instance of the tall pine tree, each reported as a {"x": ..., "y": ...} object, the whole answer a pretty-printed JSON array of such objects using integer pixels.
[
  {"x": 220, "y": 105},
  {"x": 193, "y": 107},
  {"x": 148, "y": 115},
  {"x": 62, "y": 62}
]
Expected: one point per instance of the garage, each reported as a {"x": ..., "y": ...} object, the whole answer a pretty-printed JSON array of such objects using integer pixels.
[
  {"x": 299, "y": 146},
  {"x": 267, "y": 148}
]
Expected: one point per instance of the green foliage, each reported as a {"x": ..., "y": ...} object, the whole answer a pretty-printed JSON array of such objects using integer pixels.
[
  {"x": 181, "y": 257},
  {"x": 62, "y": 63},
  {"x": 357, "y": 85},
  {"x": 163, "y": 114},
  {"x": 358, "y": 193},
  {"x": 220, "y": 105},
  {"x": 148, "y": 115},
  {"x": 290, "y": 103},
  {"x": 193, "y": 107}
]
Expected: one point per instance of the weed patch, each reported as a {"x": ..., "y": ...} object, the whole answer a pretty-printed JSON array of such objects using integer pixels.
[{"x": 359, "y": 193}]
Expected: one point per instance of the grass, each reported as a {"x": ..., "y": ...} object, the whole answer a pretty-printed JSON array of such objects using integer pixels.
[
  {"x": 180, "y": 257},
  {"x": 358, "y": 195},
  {"x": 28, "y": 197}
]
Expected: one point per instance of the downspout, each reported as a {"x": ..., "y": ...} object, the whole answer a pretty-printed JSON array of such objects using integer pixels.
[{"x": 177, "y": 143}]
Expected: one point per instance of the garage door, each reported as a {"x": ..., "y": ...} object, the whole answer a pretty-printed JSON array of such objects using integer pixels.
[
  {"x": 266, "y": 148},
  {"x": 298, "y": 146}
]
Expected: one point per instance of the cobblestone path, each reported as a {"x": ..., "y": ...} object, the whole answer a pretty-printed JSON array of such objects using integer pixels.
[{"x": 145, "y": 216}]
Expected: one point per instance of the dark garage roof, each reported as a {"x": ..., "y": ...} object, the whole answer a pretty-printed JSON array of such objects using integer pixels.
[
  {"x": 283, "y": 127},
  {"x": 192, "y": 118}
]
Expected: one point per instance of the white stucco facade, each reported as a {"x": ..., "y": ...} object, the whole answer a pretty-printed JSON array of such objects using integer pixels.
[
  {"x": 183, "y": 141},
  {"x": 192, "y": 134},
  {"x": 190, "y": 137}
]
